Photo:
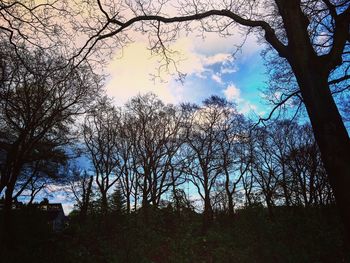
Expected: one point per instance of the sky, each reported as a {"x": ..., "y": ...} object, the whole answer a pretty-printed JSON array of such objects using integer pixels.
[
  {"x": 210, "y": 69},
  {"x": 209, "y": 66}
]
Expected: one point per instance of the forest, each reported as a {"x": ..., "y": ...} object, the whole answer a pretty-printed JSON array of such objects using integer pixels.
[{"x": 152, "y": 181}]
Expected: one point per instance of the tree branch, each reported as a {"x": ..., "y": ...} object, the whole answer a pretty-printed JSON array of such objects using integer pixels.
[
  {"x": 270, "y": 35},
  {"x": 341, "y": 35},
  {"x": 279, "y": 104}
]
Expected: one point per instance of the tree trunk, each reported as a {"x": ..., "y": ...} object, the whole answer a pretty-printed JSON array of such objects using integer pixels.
[
  {"x": 207, "y": 213},
  {"x": 8, "y": 198},
  {"x": 104, "y": 203},
  {"x": 128, "y": 204},
  {"x": 331, "y": 136},
  {"x": 231, "y": 209},
  {"x": 86, "y": 200},
  {"x": 312, "y": 72},
  {"x": 145, "y": 190},
  {"x": 2, "y": 183},
  {"x": 11, "y": 185},
  {"x": 127, "y": 193},
  {"x": 136, "y": 196},
  {"x": 8, "y": 170},
  {"x": 229, "y": 194},
  {"x": 269, "y": 204},
  {"x": 284, "y": 185}
]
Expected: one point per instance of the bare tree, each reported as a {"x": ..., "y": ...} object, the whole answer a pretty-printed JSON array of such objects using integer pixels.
[
  {"x": 81, "y": 186},
  {"x": 232, "y": 143},
  {"x": 125, "y": 165},
  {"x": 265, "y": 169},
  {"x": 310, "y": 184},
  {"x": 204, "y": 155},
  {"x": 38, "y": 103},
  {"x": 155, "y": 129},
  {"x": 286, "y": 166},
  {"x": 36, "y": 177},
  {"x": 101, "y": 138},
  {"x": 38, "y": 24},
  {"x": 312, "y": 36}
]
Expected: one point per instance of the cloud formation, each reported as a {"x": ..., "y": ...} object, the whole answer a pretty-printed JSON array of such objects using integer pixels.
[
  {"x": 232, "y": 93},
  {"x": 131, "y": 73}
]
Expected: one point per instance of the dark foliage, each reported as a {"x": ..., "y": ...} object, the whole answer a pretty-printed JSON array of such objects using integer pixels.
[{"x": 296, "y": 234}]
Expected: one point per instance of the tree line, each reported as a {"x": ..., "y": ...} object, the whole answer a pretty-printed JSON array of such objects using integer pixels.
[
  {"x": 154, "y": 154},
  {"x": 309, "y": 41},
  {"x": 147, "y": 150}
]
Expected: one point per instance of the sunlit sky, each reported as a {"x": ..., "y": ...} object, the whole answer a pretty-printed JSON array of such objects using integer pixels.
[
  {"x": 208, "y": 63},
  {"x": 210, "y": 67},
  {"x": 211, "y": 70}
]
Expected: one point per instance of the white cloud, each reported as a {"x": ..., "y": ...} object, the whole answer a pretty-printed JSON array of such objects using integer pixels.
[
  {"x": 131, "y": 72},
  {"x": 232, "y": 93},
  {"x": 217, "y": 78},
  {"x": 217, "y": 58},
  {"x": 213, "y": 44},
  {"x": 228, "y": 70},
  {"x": 247, "y": 107}
]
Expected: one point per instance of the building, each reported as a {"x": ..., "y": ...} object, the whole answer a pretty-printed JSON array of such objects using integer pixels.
[{"x": 52, "y": 212}]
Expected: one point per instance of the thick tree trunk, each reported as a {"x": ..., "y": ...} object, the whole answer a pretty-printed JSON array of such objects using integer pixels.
[
  {"x": 2, "y": 185},
  {"x": 312, "y": 72},
  {"x": 8, "y": 227},
  {"x": 269, "y": 204},
  {"x": 331, "y": 136},
  {"x": 8, "y": 170},
  {"x": 154, "y": 199},
  {"x": 8, "y": 198}
]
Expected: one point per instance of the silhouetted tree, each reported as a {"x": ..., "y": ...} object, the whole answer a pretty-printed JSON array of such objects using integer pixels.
[
  {"x": 27, "y": 23},
  {"x": 312, "y": 36},
  {"x": 37, "y": 176},
  {"x": 81, "y": 186},
  {"x": 155, "y": 129},
  {"x": 117, "y": 201},
  {"x": 101, "y": 138},
  {"x": 232, "y": 142},
  {"x": 204, "y": 156},
  {"x": 39, "y": 101},
  {"x": 125, "y": 165}
]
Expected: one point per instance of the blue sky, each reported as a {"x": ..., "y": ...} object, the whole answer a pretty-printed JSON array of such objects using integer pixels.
[
  {"x": 248, "y": 79},
  {"x": 210, "y": 69}
]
